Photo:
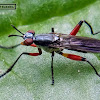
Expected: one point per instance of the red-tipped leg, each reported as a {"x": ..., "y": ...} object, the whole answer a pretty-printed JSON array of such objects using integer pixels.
[
  {"x": 25, "y": 53},
  {"x": 77, "y": 27},
  {"x": 36, "y": 54},
  {"x": 33, "y": 45},
  {"x": 78, "y": 58}
]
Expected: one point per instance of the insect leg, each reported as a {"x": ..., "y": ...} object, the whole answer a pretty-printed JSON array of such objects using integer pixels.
[
  {"x": 78, "y": 58},
  {"x": 25, "y": 53},
  {"x": 91, "y": 28},
  {"x": 36, "y": 54},
  {"x": 11, "y": 47},
  {"x": 77, "y": 27},
  {"x": 33, "y": 45},
  {"x": 93, "y": 68},
  {"x": 52, "y": 29},
  {"x": 52, "y": 68}
]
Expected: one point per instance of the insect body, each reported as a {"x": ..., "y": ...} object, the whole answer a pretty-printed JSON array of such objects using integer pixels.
[{"x": 56, "y": 42}]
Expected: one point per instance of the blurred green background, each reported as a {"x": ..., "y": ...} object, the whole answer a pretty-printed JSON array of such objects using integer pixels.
[{"x": 31, "y": 76}]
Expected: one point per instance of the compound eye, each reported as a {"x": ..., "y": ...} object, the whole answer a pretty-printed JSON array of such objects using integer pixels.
[
  {"x": 31, "y": 31},
  {"x": 28, "y": 41}
]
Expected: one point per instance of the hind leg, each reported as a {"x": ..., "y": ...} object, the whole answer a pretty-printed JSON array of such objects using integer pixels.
[{"x": 78, "y": 58}]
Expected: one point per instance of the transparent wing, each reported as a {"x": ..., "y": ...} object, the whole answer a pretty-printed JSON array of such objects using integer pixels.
[{"x": 77, "y": 43}]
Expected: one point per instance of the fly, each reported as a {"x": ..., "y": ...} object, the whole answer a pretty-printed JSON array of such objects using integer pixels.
[{"x": 56, "y": 43}]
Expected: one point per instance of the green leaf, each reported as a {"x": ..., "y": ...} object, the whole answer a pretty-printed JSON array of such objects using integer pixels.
[{"x": 30, "y": 79}]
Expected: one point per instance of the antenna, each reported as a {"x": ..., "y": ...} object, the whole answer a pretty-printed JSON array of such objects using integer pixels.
[{"x": 16, "y": 29}]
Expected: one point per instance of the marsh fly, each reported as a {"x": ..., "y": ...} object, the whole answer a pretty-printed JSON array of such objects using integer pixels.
[{"x": 56, "y": 42}]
